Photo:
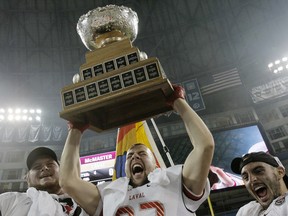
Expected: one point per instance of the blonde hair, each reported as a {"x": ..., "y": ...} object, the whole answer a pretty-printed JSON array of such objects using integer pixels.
[{"x": 150, "y": 151}]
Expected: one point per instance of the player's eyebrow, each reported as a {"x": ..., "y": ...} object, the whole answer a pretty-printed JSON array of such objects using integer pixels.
[{"x": 133, "y": 152}]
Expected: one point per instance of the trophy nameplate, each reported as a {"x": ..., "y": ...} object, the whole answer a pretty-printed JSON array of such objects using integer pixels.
[{"x": 116, "y": 85}]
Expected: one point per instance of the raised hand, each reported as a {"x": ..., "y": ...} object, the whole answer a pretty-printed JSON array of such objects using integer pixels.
[
  {"x": 179, "y": 92},
  {"x": 77, "y": 125}
]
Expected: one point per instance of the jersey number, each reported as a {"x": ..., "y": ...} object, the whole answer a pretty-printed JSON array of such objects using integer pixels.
[{"x": 128, "y": 210}]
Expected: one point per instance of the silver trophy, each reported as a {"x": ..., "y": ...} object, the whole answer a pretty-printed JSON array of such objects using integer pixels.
[
  {"x": 118, "y": 84},
  {"x": 105, "y": 25}
]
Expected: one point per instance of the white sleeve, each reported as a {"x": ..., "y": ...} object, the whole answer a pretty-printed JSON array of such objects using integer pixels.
[
  {"x": 6, "y": 202},
  {"x": 99, "y": 209},
  {"x": 193, "y": 204}
]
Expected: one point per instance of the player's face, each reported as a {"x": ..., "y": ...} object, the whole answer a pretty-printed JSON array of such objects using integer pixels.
[
  {"x": 262, "y": 181},
  {"x": 139, "y": 163},
  {"x": 44, "y": 175}
]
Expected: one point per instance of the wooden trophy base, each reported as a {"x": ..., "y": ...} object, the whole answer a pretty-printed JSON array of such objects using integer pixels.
[
  {"x": 127, "y": 94},
  {"x": 120, "y": 109}
]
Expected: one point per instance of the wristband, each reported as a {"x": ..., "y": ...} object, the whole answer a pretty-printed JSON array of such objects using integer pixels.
[
  {"x": 80, "y": 126},
  {"x": 179, "y": 92}
]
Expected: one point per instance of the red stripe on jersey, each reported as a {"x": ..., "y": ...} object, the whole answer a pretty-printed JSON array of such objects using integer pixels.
[
  {"x": 157, "y": 205},
  {"x": 190, "y": 195},
  {"x": 125, "y": 210}
]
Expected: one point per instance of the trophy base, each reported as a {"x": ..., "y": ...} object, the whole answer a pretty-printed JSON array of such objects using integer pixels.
[
  {"x": 117, "y": 88},
  {"x": 119, "y": 109}
]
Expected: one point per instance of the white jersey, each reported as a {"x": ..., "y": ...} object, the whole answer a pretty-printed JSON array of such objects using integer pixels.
[
  {"x": 20, "y": 204},
  {"x": 279, "y": 207},
  {"x": 163, "y": 195}
]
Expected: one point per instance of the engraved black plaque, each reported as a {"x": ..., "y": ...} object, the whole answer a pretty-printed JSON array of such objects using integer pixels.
[
  {"x": 87, "y": 73},
  {"x": 68, "y": 98},
  {"x": 132, "y": 58},
  {"x": 152, "y": 71},
  {"x": 128, "y": 79},
  {"x": 98, "y": 70},
  {"x": 92, "y": 90},
  {"x": 121, "y": 62},
  {"x": 103, "y": 87},
  {"x": 115, "y": 83},
  {"x": 140, "y": 75},
  {"x": 80, "y": 94},
  {"x": 109, "y": 66}
]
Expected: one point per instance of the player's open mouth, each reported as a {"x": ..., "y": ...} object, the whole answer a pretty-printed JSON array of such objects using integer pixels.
[
  {"x": 261, "y": 192},
  {"x": 137, "y": 168}
]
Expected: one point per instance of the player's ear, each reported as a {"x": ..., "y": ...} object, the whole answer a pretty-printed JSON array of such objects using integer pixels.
[
  {"x": 27, "y": 178},
  {"x": 281, "y": 172}
]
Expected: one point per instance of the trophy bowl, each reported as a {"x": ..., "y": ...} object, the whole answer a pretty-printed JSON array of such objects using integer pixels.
[{"x": 108, "y": 24}]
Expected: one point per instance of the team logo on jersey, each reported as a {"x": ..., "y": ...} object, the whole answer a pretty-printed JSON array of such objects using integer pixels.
[
  {"x": 280, "y": 200},
  {"x": 69, "y": 208}
]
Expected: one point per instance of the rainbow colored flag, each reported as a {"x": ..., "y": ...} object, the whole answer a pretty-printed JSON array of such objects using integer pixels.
[{"x": 127, "y": 136}]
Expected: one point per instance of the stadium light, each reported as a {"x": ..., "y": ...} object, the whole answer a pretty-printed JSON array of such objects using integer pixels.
[
  {"x": 20, "y": 115},
  {"x": 279, "y": 66}
]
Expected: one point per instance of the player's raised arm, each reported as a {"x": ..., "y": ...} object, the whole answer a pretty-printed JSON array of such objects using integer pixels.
[
  {"x": 197, "y": 164},
  {"x": 84, "y": 193}
]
